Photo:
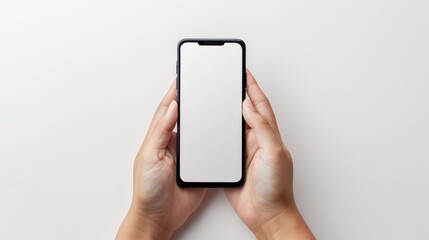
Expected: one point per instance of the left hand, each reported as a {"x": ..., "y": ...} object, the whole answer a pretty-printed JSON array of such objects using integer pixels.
[{"x": 159, "y": 207}]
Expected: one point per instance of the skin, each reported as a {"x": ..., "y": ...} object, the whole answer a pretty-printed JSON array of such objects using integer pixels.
[{"x": 265, "y": 203}]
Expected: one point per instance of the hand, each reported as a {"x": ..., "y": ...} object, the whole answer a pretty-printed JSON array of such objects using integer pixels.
[
  {"x": 266, "y": 203},
  {"x": 159, "y": 207}
]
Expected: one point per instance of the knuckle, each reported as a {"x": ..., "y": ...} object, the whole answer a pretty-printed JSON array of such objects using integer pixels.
[
  {"x": 262, "y": 102},
  {"x": 287, "y": 152},
  {"x": 276, "y": 153},
  {"x": 262, "y": 122}
]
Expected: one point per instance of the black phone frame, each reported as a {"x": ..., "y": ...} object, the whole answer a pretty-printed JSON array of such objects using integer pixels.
[{"x": 211, "y": 41}]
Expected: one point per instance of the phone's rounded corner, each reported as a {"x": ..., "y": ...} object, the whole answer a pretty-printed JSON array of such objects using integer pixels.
[
  {"x": 183, "y": 41},
  {"x": 243, "y": 49},
  {"x": 241, "y": 43},
  {"x": 239, "y": 183},
  {"x": 180, "y": 181}
]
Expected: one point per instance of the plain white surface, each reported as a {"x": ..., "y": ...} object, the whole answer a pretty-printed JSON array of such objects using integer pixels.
[
  {"x": 80, "y": 80},
  {"x": 211, "y": 78}
]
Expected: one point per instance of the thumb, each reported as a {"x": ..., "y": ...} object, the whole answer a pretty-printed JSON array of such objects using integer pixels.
[
  {"x": 164, "y": 127},
  {"x": 264, "y": 134}
]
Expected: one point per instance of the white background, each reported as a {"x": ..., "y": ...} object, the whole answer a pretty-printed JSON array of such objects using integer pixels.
[{"x": 80, "y": 80}]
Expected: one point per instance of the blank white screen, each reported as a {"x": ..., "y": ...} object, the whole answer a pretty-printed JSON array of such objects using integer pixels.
[{"x": 210, "y": 112}]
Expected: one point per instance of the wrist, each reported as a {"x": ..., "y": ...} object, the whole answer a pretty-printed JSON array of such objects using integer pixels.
[
  {"x": 138, "y": 226},
  {"x": 288, "y": 224}
]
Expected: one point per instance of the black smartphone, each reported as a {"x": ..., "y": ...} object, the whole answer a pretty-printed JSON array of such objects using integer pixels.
[{"x": 211, "y": 83}]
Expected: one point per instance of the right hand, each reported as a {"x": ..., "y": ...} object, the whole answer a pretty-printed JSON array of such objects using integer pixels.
[{"x": 265, "y": 203}]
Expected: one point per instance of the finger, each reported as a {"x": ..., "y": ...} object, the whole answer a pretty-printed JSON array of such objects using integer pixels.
[
  {"x": 247, "y": 127},
  {"x": 251, "y": 147},
  {"x": 260, "y": 101},
  {"x": 265, "y": 136},
  {"x": 171, "y": 146},
  {"x": 163, "y": 106},
  {"x": 163, "y": 128}
]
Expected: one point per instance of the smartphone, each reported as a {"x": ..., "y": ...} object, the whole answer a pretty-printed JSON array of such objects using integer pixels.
[{"x": 211, "y": 83}]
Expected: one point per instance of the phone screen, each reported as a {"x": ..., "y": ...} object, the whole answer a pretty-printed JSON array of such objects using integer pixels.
[{"x": 211, "y": 87}]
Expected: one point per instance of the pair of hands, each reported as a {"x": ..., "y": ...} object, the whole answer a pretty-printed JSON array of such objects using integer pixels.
[{"x": 265, "y": 203}]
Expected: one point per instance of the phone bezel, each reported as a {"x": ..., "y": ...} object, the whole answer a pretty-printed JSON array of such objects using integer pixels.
[{"x": 210, "y": 41}]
